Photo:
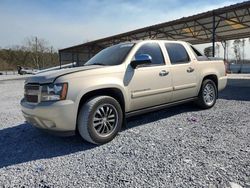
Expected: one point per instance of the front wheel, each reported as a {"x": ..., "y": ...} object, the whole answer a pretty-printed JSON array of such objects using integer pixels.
[
  {"x": 100, "y": 119},
  {"x": 208, "y": 94}
]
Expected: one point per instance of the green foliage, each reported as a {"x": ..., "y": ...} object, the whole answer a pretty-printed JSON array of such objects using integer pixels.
[
  {"x": 35, "y": 53},
  {"x": 10, "y": 59},
  {"x": 208, "y": 51}
]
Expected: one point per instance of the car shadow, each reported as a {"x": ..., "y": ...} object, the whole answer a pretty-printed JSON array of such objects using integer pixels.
[
  {"x": 161, "y": 114},
  {"x": 236, "y": 89},
  {"x": 25, "y": 143}
]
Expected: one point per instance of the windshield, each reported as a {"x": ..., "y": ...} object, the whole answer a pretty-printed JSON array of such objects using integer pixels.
[{"x": 113, "y": 55}]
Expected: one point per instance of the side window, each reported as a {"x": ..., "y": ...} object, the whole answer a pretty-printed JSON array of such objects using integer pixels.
[
  {"x": 177, "y": 53},
  {"x": 152, "y": 49},
  {"x": 197, "y": 53}
]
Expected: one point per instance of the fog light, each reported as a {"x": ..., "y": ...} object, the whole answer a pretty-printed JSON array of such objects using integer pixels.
[{"x": 49, "y": 124}]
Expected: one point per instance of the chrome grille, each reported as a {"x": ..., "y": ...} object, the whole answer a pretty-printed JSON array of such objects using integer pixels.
[{"x": 31, "y": 93}]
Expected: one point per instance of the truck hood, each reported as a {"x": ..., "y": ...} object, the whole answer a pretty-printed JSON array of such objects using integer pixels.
[{"x": 51, "y": 76}]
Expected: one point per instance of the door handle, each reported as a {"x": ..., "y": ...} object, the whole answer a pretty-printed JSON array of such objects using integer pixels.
[
  {"x": 190, "y": 69},
  {"x": 163, "y": 73}
]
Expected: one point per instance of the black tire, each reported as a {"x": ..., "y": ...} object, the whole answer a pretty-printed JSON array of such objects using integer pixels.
[
  {"x": 107, "y": 112},
  {"x": 209, "y": 102}
]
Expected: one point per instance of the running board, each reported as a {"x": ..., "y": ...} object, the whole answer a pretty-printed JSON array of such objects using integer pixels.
[{"x": 158, "y": 107}]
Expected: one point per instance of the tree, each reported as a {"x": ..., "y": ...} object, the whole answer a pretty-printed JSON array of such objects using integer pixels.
[
  {"x": 225, "y": 45},
  {"x": 237, "y": 49},
  {"x": 243, "y": 48},
  {"x": 34, "y": 53},
  {"x": 38, "y": 47},
  {"x": 217, "y": 47},
  {"x": 21, "y": 54},
  {"x": 208, "y": 51}
]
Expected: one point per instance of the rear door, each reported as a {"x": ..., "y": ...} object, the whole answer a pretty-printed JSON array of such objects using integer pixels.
[{"x": 183, "y": 71}]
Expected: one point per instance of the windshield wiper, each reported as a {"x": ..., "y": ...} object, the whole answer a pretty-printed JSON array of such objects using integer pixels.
[{"x": 96, "y": 64}]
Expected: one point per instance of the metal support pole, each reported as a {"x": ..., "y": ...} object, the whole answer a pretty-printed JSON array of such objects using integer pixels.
[
  {"x": 225, "y": 50},
  {"x": 72, "y": 58},
  {"x": 89, "y": 53},
  {"x": 51, "y": 54},
  {"x": 77, "y": 63},
  {"x": 36, "y": 49},
  {"x": 60, "y": 59},
  {"x": 213, "y": 37}
]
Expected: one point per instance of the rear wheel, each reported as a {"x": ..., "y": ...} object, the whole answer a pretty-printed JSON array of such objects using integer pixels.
[
  {"x": 100, "y": 119},
  {"x": 208, "y": 94}
]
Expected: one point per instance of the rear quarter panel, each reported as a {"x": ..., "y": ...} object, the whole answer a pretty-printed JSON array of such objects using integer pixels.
[{"x": 206, "y": 68}]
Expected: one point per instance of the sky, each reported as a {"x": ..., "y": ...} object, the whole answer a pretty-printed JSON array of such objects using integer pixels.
[{"x": 64, "y": 23}]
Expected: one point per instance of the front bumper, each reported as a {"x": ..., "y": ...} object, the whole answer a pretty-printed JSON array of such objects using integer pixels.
[{"x": 57, "y": 117}]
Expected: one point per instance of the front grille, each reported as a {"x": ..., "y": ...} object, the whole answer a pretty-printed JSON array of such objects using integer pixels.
[
  {"x": 31, "y": 98},
  {"x": 32, "y": 87},
  {"x": 31, "y": 93}
]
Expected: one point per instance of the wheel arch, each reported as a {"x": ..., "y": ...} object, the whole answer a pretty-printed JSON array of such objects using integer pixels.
[
  {"x": 112, "y": 92},
  {"x": 212, "y": 77}
]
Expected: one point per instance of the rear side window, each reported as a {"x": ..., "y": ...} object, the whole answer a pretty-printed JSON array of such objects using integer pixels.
[
  {"x": 177, "y": 53},
  {"x": 152, "y": 49},
  {"x": 197, "y": 53}
]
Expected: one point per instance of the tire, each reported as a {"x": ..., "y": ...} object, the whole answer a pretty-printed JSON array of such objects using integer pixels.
[
  {"x": 208, "y": 94},
  {"x": 100, "y": 119}
]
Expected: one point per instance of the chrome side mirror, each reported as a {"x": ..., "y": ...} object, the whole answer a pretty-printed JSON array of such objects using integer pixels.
[{"x": 141, "y": 59}]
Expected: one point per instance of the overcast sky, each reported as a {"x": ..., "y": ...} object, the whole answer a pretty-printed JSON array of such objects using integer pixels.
[{"x": 69, "y": 22}]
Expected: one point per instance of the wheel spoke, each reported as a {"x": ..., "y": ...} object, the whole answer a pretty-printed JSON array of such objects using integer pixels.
[
  {"x": 97, "y": 119},
  {"x": 209, "y": 94},
  {"x": 97, "y": 124},
  {"x": 111, "y": 120},
  {"x": 102, "y": 111},
  {"x": 206, "y": 99},
  {"x": 105, "y": 119},
  {"x": 99, "y": 113},
  {"x": 102, "y": 130},
  {"x": 109, "y": 126},
  {"x": 111, "y": 116},
  {"x": 99, "y": 129},
  {"x": 110, "y": 112}
]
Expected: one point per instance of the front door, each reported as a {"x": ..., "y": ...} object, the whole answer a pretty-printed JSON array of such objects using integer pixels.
[{"x": 150, "y": 85}]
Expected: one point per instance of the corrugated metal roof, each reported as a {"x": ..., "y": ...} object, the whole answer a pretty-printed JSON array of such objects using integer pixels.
[{"x": 231, "y": 22}]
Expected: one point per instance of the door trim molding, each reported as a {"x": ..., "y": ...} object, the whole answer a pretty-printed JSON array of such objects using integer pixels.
[
  {"x": 186, "y": 86},
  {"x": 158, "y": 107},
  {"x": 148, "y": 92}
]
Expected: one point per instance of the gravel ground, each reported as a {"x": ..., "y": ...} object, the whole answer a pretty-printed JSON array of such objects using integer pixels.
[{"x": 181, "y": 146}]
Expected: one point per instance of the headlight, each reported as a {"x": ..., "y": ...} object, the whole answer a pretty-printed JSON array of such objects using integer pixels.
[{"x": 54, "y": 92}]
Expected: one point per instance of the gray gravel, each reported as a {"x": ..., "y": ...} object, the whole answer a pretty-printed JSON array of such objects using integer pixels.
[{"x": 181, "y": 146}]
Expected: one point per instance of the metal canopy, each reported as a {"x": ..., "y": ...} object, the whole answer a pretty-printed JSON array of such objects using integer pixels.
[{"x": 227, "y": 23}]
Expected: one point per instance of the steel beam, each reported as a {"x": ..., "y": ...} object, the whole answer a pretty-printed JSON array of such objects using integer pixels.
[{"x": 213, "y": 35}]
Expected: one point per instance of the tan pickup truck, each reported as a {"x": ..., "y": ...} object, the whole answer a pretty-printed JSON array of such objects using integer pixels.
[{"x": 121, "y": 81}]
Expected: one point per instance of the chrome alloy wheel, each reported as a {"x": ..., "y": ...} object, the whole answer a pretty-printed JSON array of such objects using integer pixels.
[
  {"x": 209, "y": 94},
  {"x": 105, "y": 120}
]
